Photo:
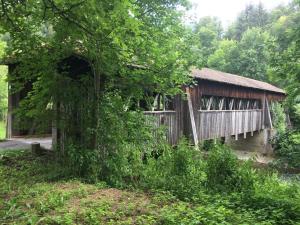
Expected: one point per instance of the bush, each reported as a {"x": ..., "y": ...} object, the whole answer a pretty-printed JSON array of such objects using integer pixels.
[
  {"x": 82, "y": 163},
  {"x": 287, "y": 147},
  {"x": 179, "y": 170},
  {"x": 122, "y": 139},
  {"x": 274, "y": 199},
  {"x": 225, "y": 173},
  {"x": 279, "y": 117}
]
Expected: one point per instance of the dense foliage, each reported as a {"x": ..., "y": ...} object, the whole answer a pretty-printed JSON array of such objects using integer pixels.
[
  {"x": 176, "y": 192},
  {"x": 287, "y": 148},
  {"x": 129, "y": 49}
]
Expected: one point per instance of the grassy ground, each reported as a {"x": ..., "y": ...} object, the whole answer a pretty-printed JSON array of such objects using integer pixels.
[
  {"x": 33, "y": 190},
  {"x": 34, "y": 194},
  {"x": 2, "y": 130}
]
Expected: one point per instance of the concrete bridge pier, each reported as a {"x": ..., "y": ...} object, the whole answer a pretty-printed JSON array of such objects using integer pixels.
[{"x": 259, "y": 142}]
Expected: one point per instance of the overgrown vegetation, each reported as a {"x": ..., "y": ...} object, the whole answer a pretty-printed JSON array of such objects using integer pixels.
[
  {"x": 286, "y": 142},
  {"x": 287, "y": 148},
  {"x": 168, "y": 191}
]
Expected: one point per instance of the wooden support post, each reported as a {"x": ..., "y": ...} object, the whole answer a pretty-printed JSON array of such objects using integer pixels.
[
  {"x": 221, "y": 104},
  {"x": 255, "y": 104},
  {"x": 155, "y": 101},
  {"x": 245, "y": 120},
  {"x": 236, "y": 125},
  {"x": 209, "y": 103},
  {"x": 240, "y": 104},
  {"x": 263, "y": 111},
  {"x": 231, "y": 104},
  {"x": 248, "y": 104},
  {"x": 164, "y": 102},
  {"x": 269, "y": 114},
  {"x": 192, "y": 118}
]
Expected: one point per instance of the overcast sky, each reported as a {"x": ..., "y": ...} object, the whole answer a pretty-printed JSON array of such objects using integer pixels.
[{"x": 226, "y": 10}]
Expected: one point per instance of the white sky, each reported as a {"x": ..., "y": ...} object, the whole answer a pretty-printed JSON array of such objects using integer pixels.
[{"x": 226, "y": 10}]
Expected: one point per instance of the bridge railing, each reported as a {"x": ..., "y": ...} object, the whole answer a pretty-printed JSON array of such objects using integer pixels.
[
  {"x": 221, "y": 123},
  {"x": 167, "y": 120},
  {"x": 210, "y": 124}
]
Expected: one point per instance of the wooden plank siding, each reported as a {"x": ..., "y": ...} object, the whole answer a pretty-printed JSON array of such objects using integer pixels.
[
  {"x": 213, "y": 124},
  {"x": 165, "y": 119}
]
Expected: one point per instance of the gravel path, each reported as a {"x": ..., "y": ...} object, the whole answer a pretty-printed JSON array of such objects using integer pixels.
[{"x": 24, "y": 143}]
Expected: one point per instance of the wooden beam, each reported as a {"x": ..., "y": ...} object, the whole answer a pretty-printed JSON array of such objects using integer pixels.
[
  {"x": 255, "y": 104},
  {"x": 155, "y": 100},
  {"x": 192, "y": 118},
  {"x": 269, "y": 114},
  {"x": 263, "y": 110},
  {"x": 240, "y": 104},
  {"x": 231, "y": 104},
  {"x": 209, "y": 102},
  {"x": 248, "y": 104},
  {"x": 221, "y": 103}
]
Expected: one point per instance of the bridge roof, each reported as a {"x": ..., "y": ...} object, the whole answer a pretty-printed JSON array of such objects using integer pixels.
[{"x": 222, "y": 77}]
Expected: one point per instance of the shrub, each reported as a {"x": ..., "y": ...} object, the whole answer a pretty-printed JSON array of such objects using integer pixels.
[
  {"x": 275, "y": 200},
  {"x": 225, "y": 173},
  {"x": 82, "y": 162},
  {"x": 287, "y": 148},
  {"x": 279, "y": 117},
  {"x": 179, "y": 170}
]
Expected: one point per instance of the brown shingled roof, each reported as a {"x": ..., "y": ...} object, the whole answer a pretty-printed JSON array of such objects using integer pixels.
[{"x": 218, "y": 76}]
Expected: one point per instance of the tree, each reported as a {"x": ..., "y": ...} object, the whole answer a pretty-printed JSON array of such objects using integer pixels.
[
  {"x": 212, "y": 23},
  {"x": 112, "y": 35},
  {"x": 254, "y": 54},
  {"x": 285, "y": 60},
  {"x": 226, "y": 56},
  {"x": 252, "y": 16},
  {"x": 207, "y": 33}
]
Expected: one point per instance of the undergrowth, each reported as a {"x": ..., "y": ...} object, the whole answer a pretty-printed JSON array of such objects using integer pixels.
[
  {"x": 178, "y": 187},
  {"x": 287, "y": 149}
]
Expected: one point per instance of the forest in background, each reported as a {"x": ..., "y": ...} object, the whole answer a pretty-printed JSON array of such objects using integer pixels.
[
  {"x": 259, "y": 44},
  {"x": 263, "y": 45}
]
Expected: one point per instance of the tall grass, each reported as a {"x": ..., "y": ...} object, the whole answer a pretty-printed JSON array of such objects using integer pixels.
[{"x": 2, "y": 129}]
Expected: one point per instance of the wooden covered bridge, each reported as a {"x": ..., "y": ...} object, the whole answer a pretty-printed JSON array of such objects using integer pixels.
[{"x": 217, "y": 105}]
